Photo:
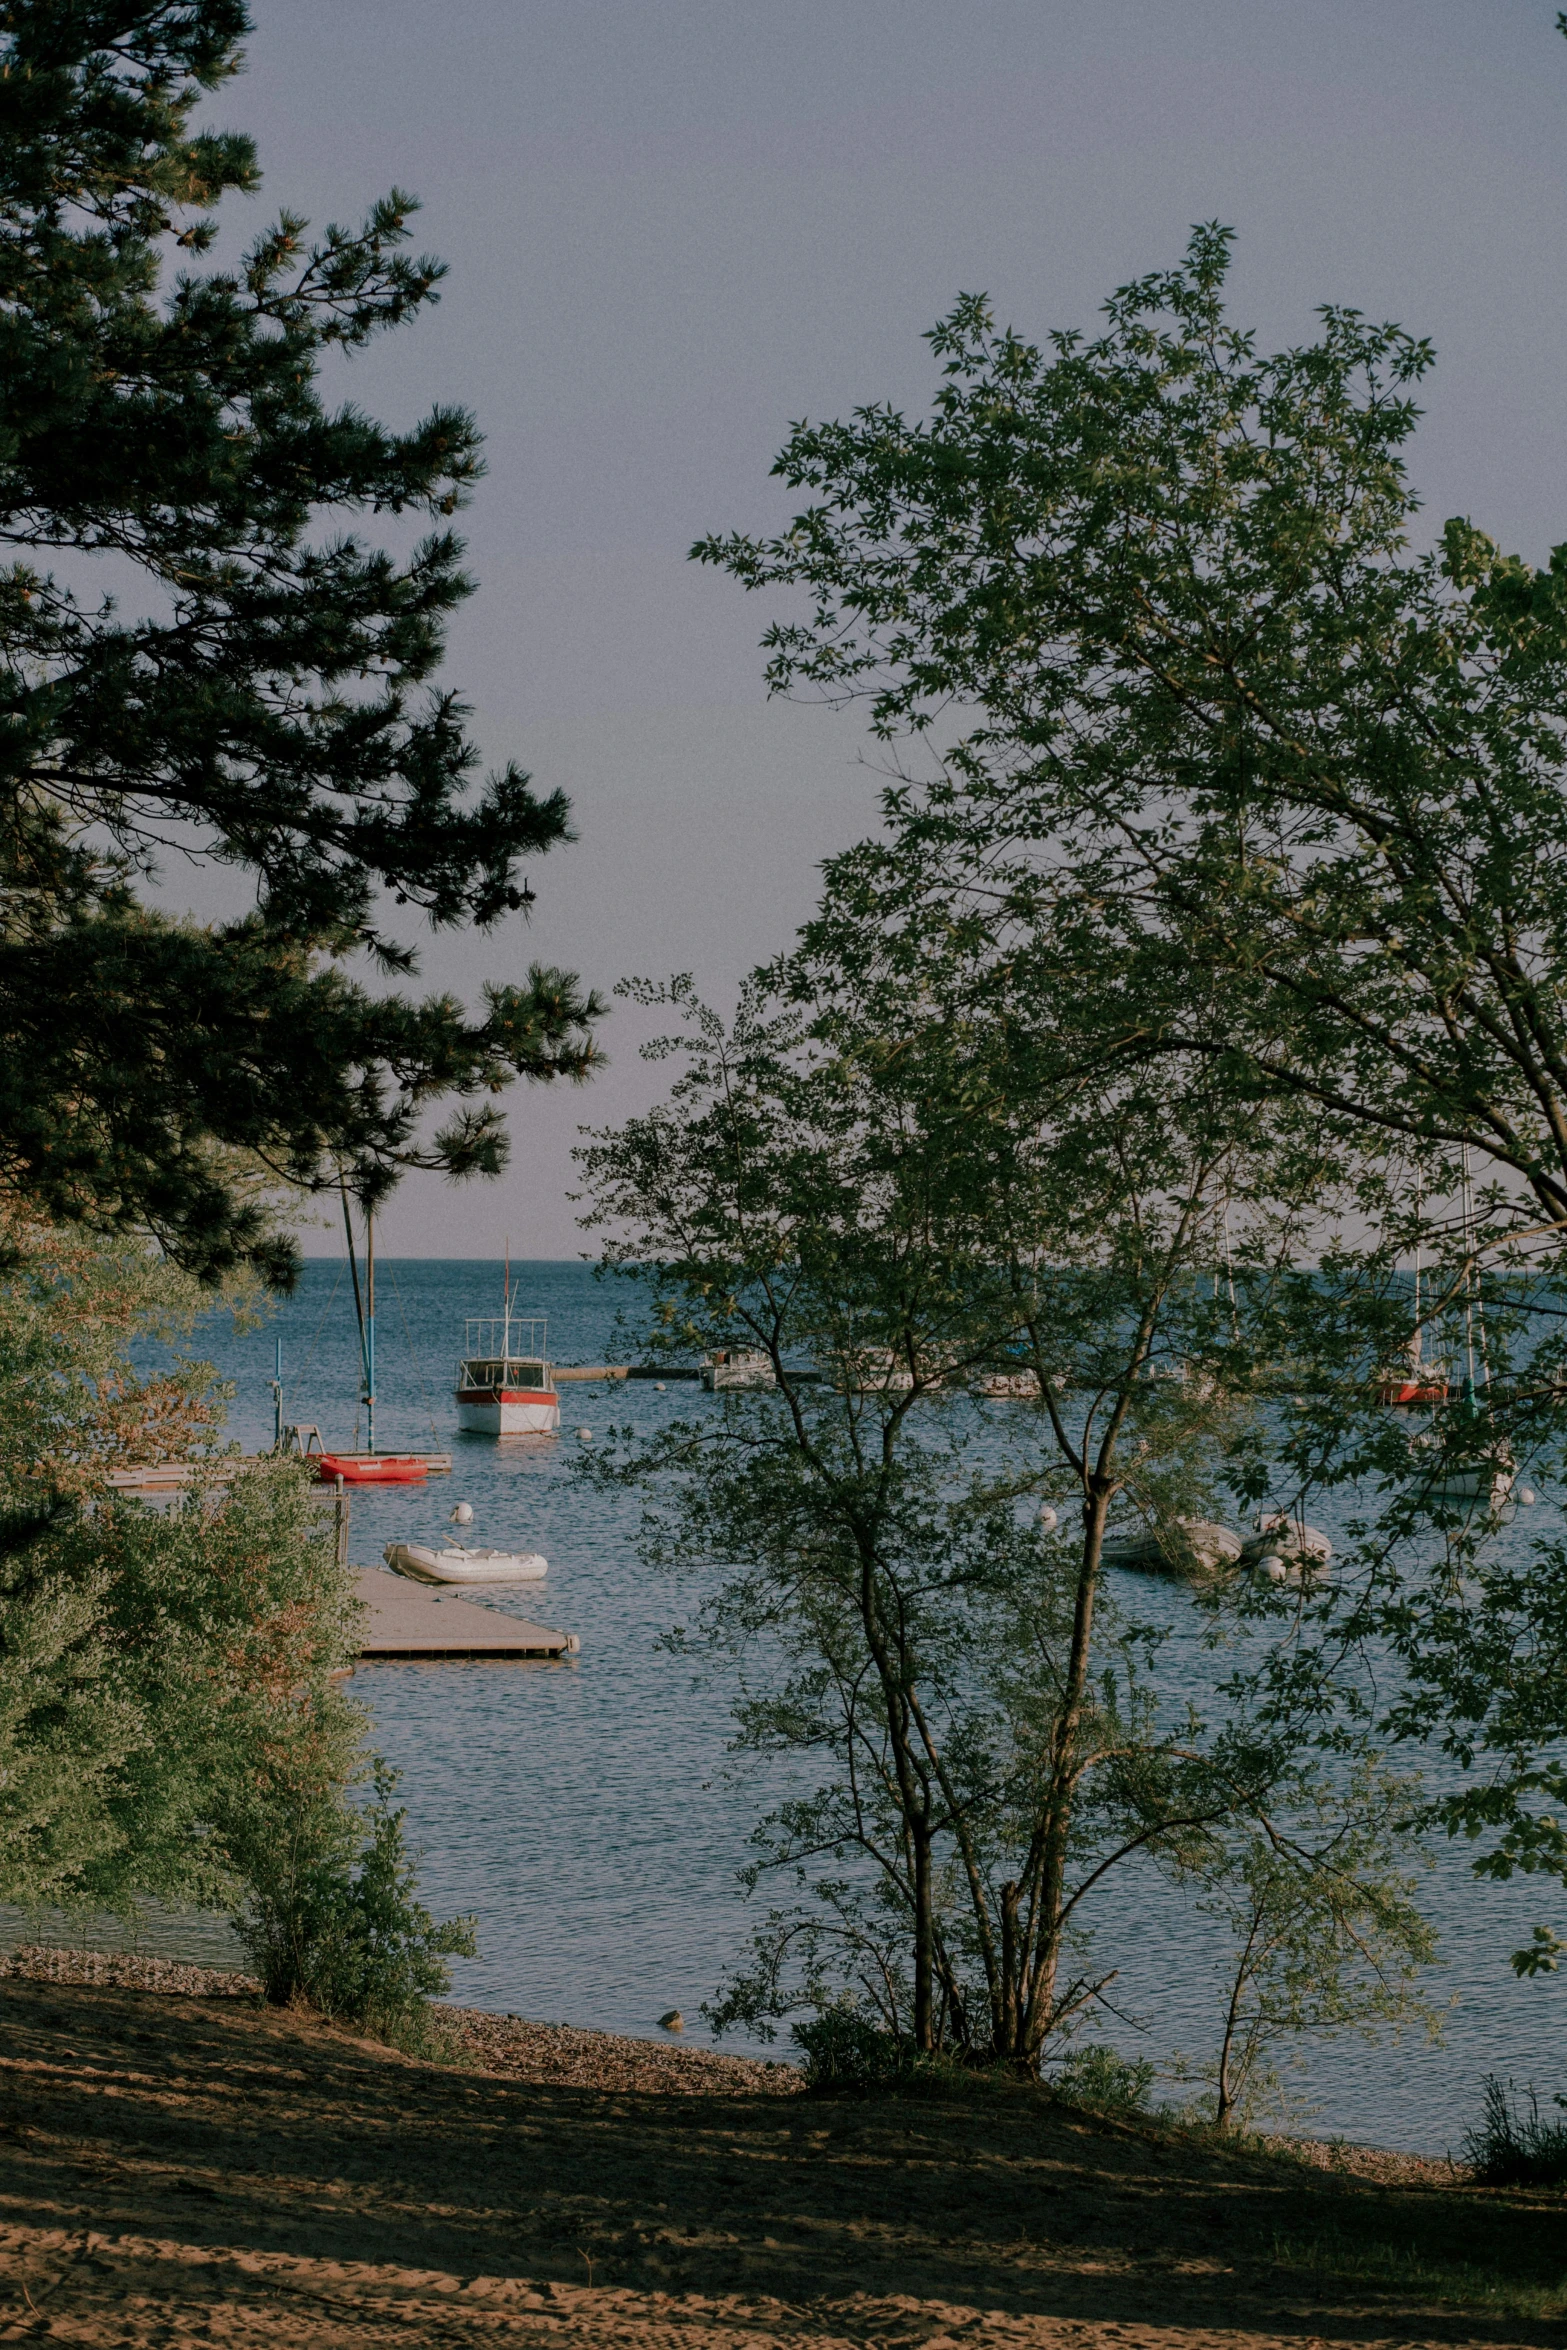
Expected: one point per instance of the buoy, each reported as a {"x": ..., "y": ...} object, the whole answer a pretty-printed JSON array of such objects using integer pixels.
[
  {"x": 659, "y": 1387},
  {"x": 1272, "y": 1567},
  {"x": 462, "y": 1515},
  {"x": 1527, "y": 1496},
  {"x": 674, "y": 2021},
  {"x": 585, "y": 1435},
  {"x": 573, "y": 1644},
  {"x": 1048, "y": 1519}
]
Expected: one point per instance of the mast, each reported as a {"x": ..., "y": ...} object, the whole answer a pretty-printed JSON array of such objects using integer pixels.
[
  {"x": 1469, "y": 1287},
  {"x": 370, "y": 1322},
  {"x": 1417, "y": 1341},
  {"x": 1229, "y": 1273},
  {"x": 365, "y": 1380},
  {"x": 277, "y": 1400},
  {"x": 506, "y": 1326}
]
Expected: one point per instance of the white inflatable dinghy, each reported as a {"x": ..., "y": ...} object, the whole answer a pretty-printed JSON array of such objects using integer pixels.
[{"x": 458, "y": 1564}]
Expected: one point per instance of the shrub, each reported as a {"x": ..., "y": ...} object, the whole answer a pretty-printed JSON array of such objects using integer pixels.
[
  {"x": 330, "y": 1919},
  {"x": 1511, "y": 2149},
  {"x": 846, "y": 2049},
  {"x": 1096, "y": 2077}
]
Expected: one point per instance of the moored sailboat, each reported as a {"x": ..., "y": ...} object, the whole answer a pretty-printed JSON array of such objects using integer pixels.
[
  {"x": 1423, "y": 1383},
  {"x": 1471, "y": 1458}
]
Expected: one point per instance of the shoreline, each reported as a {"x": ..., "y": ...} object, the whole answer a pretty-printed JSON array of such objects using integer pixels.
[
  {"x": 186, "y": 2164},
  {"x": 516, "y": 2047},
  {"x": 507, "y": 2046}
]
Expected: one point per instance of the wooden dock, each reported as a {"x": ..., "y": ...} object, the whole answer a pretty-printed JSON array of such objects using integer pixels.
[{"x": 411, "y": 1623}]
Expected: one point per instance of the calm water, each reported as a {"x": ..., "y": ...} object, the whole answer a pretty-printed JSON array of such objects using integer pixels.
[{"x": 582, "y": 1810}]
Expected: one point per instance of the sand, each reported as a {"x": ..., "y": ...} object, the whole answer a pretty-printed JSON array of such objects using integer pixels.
[{"x": 180, "y": 2165}]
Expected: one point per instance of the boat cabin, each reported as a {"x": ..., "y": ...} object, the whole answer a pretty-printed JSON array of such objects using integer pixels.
[{"x": 505, "y": 1381}]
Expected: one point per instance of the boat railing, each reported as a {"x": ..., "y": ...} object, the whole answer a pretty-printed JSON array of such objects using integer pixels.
[
  {"x": 508, "y": 1337},
  {"x": 504, "y": 1371}
]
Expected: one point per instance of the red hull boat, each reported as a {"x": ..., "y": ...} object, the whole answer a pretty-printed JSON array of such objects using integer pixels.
[
  {"x": 371, "y": 1468},
  {"x": 1413, "y": 1391}
]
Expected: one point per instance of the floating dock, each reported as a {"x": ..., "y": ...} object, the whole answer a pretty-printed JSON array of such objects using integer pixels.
[{"x": 407, "y": 1621}]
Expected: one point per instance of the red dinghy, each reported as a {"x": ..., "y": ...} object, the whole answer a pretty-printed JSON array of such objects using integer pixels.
[{"x": 371, "y": 1468}]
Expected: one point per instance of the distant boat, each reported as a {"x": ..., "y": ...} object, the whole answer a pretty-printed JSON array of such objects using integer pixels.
[
  {"x": 457, "y": 1564},
  {"x": 505, "y": 1393},
  {"x": 736, "y": 1366},
  {"x": 1423, "y": 1382},
  {"x": 999, "y": 1385},
  {"x": 1423, "y": 1385},
  {"x": 873, "y": 1370},
  {"x": 1469, "y": 1455},
  {"x": 1192, "y": 1547},
  {"x": 501, "y": 1392}
]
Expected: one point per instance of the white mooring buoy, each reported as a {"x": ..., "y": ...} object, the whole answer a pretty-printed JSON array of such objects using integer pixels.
[
  {"x": 1048, "y": 1520},
  {"x": 585, "y": 1435},
  {"x": 462, "y": 1515}
]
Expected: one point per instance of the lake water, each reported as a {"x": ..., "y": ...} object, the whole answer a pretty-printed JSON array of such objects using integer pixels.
[{"x": 582, "y": 1811}]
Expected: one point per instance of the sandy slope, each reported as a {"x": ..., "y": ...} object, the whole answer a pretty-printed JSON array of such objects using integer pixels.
[{"x": 181, "y": 2169}]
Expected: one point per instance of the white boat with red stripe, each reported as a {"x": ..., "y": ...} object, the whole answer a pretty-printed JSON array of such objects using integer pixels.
[{"x": 505, "y": 1381}]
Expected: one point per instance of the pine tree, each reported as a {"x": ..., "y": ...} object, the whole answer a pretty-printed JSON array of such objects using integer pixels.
[{"x": 195, "y": 652}]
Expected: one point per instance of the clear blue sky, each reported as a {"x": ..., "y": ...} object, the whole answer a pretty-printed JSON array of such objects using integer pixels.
[{"x": 673, "y": 228}]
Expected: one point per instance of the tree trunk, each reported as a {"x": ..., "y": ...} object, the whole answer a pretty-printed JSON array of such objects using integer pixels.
[
  {"x": 1037, "y": 2015},
  {"x": 1011, "y": 1989},
  {"x": 924, "y": 1941}
]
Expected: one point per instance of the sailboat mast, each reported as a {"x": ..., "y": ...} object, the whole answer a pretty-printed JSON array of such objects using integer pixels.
[
  {"x": 1417, "y": 1342},
  {"x": 1229, "y": 1272},
  {"x": 370, "y": 1322},
  {"x": 359, "y": 1310},
  {"x": 1469, "y": 1276},
  {"x": 506, "y": 1327}
]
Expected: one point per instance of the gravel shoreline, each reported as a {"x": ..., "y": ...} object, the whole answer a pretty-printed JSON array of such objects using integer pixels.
[
  {"x": 552, "y": 2055},
  {"x": 124, "y": 1970}
]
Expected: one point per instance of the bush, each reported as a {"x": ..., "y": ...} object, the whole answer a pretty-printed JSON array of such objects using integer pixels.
[
  {"x": 846, "y": 2049},
  {"x": 1511, "y": 2149},
  {"x": 1106, "y": 2083},
  {"x": 331, "y": 1920}
]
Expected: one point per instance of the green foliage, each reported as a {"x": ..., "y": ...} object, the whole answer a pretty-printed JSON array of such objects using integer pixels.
[
  {"x": 330, "y": 1915},
  {"x": 1541, "y": 1955},
  {"x": 1326, "y": 1938},
  {"x": 156, "y": 1664},
  {"x": 1511, "y": 2148},
  {"x": 889, "y": 1196},
  {"x": 1097, "y": 2077},
  {"x": 260, "y": 681},
  {"x": 1241, "y": 777},
  {"x": 172, "y": 1717},
  {"x": 846, "y": 2049}
]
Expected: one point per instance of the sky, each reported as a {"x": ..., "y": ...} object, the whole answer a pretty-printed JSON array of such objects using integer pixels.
[{"x": 675, "y": 228}]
